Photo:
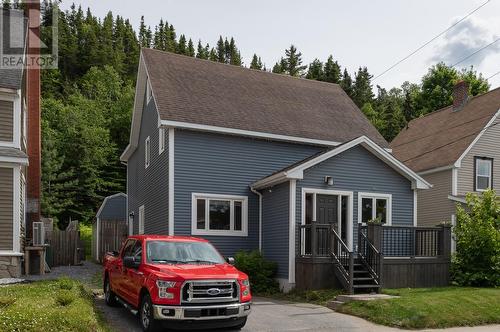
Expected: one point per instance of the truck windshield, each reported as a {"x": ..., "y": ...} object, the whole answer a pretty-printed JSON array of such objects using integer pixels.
[{"x": 165, "y": 252}]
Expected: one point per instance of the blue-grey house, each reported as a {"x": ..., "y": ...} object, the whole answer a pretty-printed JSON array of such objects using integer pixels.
[{"x": 254, "y": 160}]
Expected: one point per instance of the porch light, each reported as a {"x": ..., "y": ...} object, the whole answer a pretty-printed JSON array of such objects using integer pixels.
[
  {"x": 329, "y": 180},
  {"x": 131, "y": 218}
]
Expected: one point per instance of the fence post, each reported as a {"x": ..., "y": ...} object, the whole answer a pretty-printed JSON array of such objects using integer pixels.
[
  {"x": 445, "y": 241},
  {"x": 314, "y": 240},
  {"x": 374, "y": 234}
]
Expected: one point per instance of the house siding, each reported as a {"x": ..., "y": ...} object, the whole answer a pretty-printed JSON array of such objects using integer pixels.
[
  {"x": 223, "y": 164},
  {"x": 115, "y": 209},
  {"x": 6, "y": 207},
  {"x": 6, "y": 121},
  {"x": 275, "y": 214},
  {"x": 358, "y": 170},
  {"x": 487, "y": 146},
  {"x": 149, "y": 187},
  {"x": 433, "y": 204}
]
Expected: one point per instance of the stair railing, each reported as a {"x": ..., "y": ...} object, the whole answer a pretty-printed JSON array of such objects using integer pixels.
[
  {"x": 344, "y": 259},
  {"x": 370, "y": 256}
]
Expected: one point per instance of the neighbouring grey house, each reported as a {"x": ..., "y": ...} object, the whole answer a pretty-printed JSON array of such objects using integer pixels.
[
  {"x": 13, "y": 157},
  {"x": 252, "y": 160},
  {"x": 457, "y": 149},
  {"x": 110, "y": 226}
]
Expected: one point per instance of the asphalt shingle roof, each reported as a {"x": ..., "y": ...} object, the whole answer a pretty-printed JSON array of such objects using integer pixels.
[
  {"x": 204, "y": 92},
  {"x": 12, "y": 23}
]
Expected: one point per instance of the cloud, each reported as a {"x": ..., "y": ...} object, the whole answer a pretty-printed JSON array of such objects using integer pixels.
[{"x": 463, "y": 40}]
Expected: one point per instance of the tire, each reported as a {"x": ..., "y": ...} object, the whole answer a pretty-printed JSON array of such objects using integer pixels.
[
  {"x": 146, "y": 316},
  {"x": 241, "y": 324},
  {"x": 109, "y": 295}
]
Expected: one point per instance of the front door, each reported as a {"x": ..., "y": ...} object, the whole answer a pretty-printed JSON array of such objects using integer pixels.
[{"x": 327, "y": 209}]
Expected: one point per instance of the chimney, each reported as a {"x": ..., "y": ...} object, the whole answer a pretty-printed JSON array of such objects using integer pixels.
[
  {"x": 460, "y": 95},
  {"x": 33, "y": 178}
]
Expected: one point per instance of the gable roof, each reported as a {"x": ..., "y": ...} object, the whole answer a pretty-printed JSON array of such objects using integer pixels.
[
  {"x": 12, "y": 23},
  {"x": 296, "y": 171},
  {"x": 205, "y": 95},
  {"x": 440, "y": 138},
  {"x": 114, "y": 207}
]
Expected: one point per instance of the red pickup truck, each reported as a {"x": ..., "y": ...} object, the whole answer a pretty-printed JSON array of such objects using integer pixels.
[{"x": 176, "y": 282}]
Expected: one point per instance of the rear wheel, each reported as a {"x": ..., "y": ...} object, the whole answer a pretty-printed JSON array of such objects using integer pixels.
[
  {"x": 146, "y": 315},
  {"x": 109, "y": 295}
]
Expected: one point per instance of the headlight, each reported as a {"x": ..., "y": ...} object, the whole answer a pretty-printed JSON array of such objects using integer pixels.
[
  {"x": 245, "y": 282},
  {"x": 163, "y": 286}
]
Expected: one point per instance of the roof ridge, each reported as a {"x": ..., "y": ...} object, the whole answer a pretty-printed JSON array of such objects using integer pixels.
[{"x": 330, "y": 84}]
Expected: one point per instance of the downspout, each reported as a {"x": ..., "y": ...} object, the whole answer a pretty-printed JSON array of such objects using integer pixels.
[{"x": 260, "y": 216}]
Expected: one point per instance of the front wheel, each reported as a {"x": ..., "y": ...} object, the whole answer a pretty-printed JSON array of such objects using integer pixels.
[
  {"x": 146, "y": 315},
  {"x": 109, "y": 295}
]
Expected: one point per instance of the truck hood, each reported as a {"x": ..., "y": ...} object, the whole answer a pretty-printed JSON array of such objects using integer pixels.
[{"x": 200, "y": 271}]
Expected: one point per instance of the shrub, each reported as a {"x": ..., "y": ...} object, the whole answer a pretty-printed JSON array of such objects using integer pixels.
[
  {"x": 477, "y": 260},
  {"x": 65, "y": 283},
  {"x": 260, "y": 271},
  {"x": 65, "y": 298},
  {"x": 6, "y": 301},
  {"x": 86, "y": 237}
]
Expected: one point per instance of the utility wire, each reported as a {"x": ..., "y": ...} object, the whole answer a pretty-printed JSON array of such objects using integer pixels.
[
  {"x": 475, "y": 52},
  {"x": 430, "y": 41},
  {"x": 495, "y": 74}
]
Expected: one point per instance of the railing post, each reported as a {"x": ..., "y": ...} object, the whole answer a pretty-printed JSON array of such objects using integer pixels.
[
  {"x": 445, "y": 241},
  {"x": 351, "y": 273},
  {"x": 415, "y": 244},
  {"x": 374, "y": 234},
  {"x": 314, "y": 240}
]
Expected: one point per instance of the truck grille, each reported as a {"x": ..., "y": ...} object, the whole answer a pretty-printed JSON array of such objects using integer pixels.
[{"x": 210, "y": 291}]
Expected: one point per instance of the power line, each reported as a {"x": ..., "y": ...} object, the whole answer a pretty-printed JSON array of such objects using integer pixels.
[
  {"x": 495, "y": 74},
  {"x": 430, "y": 41},
  {"x": 474, "y": 53}
]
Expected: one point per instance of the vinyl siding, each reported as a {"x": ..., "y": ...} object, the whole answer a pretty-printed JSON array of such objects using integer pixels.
[
  {"x": 223, "y": 164},
  {"x": 434, "y": 206},
  {"x": 149, "y": 187},
  {"x": 115, "y": 209},
  {"x": 487, "y": 146},
  {"x": 275, "y": 210},
  {"x": 6, "y": 207},
  {"x": 6, "y": 121},
  {"x": 358, "y": 170}
]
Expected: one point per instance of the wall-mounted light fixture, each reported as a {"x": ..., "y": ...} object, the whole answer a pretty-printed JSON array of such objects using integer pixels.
[{"x": 329, "y": 180}]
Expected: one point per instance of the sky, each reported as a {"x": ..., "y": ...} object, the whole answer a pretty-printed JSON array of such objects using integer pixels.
[{"x": 375, "y": 33}]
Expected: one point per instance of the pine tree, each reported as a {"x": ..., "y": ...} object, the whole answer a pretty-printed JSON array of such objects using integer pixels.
[
  {"x": 221, "y": 51},
  {"x": 171, "y": 39},
  {"x": 234, "y": 54},
  {"x": 315, "y": 70},
  {"x": 346, "y": 84},
  {"x": 203, "y": 52},
  {"x": 256, "y": 62},
  {"x": 362, "y": 88},
  {"x": 280, "y": 67},
  {"x": 144, "y": 38},
  {"x": 332, "y": 71},
  {"x": 190, "y": 48},
  {"x": 293, "y": 60},
  {"x": 213, "y": 55}
]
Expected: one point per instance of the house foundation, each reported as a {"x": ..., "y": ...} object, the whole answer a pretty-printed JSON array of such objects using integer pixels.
[{"x": 10, "y": 267}]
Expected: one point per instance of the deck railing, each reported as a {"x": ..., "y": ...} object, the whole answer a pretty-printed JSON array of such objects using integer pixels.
[
  {"x": 315, "y": 240},
  {"x": 398, "y": 241},
  {"x": 370, "y": 256}
]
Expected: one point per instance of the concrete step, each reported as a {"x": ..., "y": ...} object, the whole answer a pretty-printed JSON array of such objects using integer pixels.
[
  {"x": 334, "y": 305},
  {"x": 366, "y": 286},
  {"x": 363, "y": 297}
]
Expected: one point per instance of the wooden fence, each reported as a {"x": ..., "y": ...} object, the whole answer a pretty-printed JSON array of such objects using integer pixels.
[
  {"x": 66, "y": 248},
  {"x": 110, "y": 237}
]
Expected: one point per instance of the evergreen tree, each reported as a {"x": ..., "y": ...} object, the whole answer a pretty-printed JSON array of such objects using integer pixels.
[
  {"x": 203, "y": 52},
  {"x": 293, "y": 60},
  {"x": 280, "y": 67},
  {"x": 256, "y": 63},
  {"x": 346, "y": 84},
  {"x": 190, "y": 48},
  {"x": 213, "y": 55},
  {"x": 315, "y": 70},
  {"x": 144, "y": 37},
  {"x": 221, "y": 50},
  {"x": 362, "y": 87},
  {"x": 181, "y": 46},
  {"x": 331, "y": 71},
  {"x": 234, "y": 54}
]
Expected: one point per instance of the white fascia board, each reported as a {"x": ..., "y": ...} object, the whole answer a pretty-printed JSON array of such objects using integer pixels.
[
  {"x": 436, "y": 170},
  {"x": 458, "y": 163},
  {"x": 457, "y": 199},
  {"x": 14, "y": 160},
  {"x": 247, "y": 133}
]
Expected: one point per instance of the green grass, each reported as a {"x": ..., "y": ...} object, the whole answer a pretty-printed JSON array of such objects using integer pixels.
[
  {"x": 63, "y": 305},
  {"x": 86, "y": 236},
  {"x": 321, "y": 297},
  {"x": 431, "y": 308}
]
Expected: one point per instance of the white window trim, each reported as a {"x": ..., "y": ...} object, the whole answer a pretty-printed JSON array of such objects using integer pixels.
[
  {"x": 206, "y": 231},
  {"x": 161, "y": 140},
  {"x": 490, "y": 185},
  {"x": 142, "y": 217},
  {"x": 149, "y": 91},
  {"x": 147, "y": 152},
  {"x": 388, "y": 197}
]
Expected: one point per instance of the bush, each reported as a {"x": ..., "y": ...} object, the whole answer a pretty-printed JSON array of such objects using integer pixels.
[
  {"x": 65, "y": 298},
  {"x": 65, "y": 283},
  {"x": 477, "y": 260},
  {"x": 260, "y": 271},
  {"x": 6, "y": 301}
]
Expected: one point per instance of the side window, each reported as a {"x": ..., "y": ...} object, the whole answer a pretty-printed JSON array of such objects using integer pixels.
[
  {"x": 483, "y": 173},
  {"x": 127, "y": 249},
  {"x": 137, "y": 251}
]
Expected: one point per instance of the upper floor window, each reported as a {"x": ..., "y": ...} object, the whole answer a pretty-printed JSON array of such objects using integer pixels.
[
  {"x": 374, "y": 207},
  {"x": 147, "y": 152},
  {"x": 161, "y": 137},
  {"x": 219, "y": 215},
  {"x": 483, "y": 173}
]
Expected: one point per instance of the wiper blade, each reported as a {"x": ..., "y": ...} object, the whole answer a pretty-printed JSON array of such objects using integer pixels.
[
  {"x": 166, "y": 261},
  {"x": 199, "y": 261}
]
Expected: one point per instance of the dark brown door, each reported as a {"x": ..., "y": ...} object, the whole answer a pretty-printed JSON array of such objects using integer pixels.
[{"x": 327, "y": 209}]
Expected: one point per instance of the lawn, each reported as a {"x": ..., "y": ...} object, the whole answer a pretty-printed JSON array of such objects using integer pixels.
[
  {"x": 320, "y": 297},
  {"x": 431, "y": 308},
  {"x": 63, "y": 305}
]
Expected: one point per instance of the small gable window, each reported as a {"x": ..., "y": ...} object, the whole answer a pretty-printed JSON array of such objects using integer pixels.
[
  {"x": 147, "y": 152},
  {"x": 483, "y": 173},
  {"x": 224, "y": 215}
]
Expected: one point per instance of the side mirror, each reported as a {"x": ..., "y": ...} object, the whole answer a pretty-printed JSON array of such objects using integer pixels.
[
  {"x": 230, "y": 260},
  {"x": 131, "y": 262}
]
